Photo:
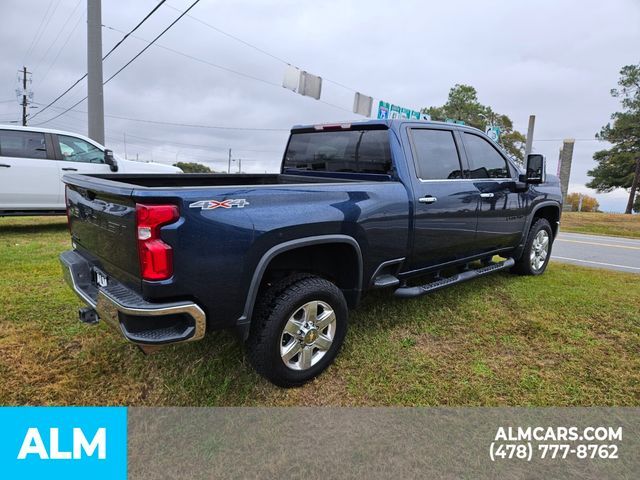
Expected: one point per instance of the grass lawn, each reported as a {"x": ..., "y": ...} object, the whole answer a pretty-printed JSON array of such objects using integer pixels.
[
  {"x": 569, "y": 337},
  {"x": 616, "y": 224}
]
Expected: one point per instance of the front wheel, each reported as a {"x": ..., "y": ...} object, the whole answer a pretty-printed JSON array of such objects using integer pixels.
[
  {"x": 298, "y": 329},
  {"x": 537, "y": 249}
]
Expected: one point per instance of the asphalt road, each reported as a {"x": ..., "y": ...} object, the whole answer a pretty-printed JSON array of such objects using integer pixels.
[{"x": 612, "y": 253}]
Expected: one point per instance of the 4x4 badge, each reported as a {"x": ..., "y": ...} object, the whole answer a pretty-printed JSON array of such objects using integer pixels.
[{"x": 213, "y": 204}]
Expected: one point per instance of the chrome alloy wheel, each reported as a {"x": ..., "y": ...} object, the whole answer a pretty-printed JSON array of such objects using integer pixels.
[
  {"x": 307, "y": 335},
  {"x": 539, "y": 250}
]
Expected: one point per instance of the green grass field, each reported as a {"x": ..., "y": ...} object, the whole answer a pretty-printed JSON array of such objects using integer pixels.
[
  {"x": 569, "y": 337},
  {"x": 615, "y": 224}
]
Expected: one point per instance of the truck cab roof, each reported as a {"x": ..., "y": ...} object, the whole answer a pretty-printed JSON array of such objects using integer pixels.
[{"x": 392, "y": 124}]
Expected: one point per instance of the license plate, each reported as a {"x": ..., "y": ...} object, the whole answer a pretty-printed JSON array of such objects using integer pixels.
[{"x": 101, "y": 279}]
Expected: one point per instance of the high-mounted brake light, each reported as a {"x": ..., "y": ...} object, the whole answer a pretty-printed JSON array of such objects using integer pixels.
[
  {"x": 333, "y": 126},
  {"x": 156, "y": 257}
]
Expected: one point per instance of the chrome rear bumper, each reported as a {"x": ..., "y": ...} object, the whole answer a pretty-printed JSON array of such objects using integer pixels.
[{"x": 149, "y": 325}]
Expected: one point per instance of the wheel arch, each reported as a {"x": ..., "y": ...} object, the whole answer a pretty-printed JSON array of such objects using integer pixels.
[
  {"x": 549, "y": 211},
  {"x": 351, "y": 286}
]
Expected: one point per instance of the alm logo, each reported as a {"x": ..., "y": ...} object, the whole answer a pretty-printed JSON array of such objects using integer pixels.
[{"x": 33, "y": 445}]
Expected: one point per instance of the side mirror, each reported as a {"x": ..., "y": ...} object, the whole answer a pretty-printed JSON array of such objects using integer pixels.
[
  {"x": 110, "y": 160},
  {"x": 536, "y": 169}
]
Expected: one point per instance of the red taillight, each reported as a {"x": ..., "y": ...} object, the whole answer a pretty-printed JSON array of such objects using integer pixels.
[{"x": 156, "y": 257}]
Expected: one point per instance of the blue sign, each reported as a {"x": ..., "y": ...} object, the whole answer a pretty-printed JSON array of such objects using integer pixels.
[
  {"x": 383, "y": 110},
  {"x": 387, "y": 110}
]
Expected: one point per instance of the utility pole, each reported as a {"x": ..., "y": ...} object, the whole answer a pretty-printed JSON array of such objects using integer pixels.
[
  {"x": 125, "y": 144},
  {"x": 24, "y": 96},
  {"x": 94, "y": 71},
  {"x": 564, "y": 168},
  {"x": 229, "y": 167},
  {"x": 529, "y": 144},
  {"x": 239, "y": 165}
]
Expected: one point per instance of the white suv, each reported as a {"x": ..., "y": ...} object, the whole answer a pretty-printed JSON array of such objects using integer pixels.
[{"x": 34, "y": 160}]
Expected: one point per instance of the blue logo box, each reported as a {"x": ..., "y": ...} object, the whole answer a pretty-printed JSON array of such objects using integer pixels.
[{"x": 63, "y": 442}]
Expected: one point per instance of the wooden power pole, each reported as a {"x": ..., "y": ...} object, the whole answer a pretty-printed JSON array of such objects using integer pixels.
[{"x": 25, "y": 103}]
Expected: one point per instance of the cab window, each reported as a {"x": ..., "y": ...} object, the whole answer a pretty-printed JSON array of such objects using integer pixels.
[
  {"x": 484, "y": 159},
  {"x": 14, "y": 143},
  {"x": 76, "y": 150},
  {"x": 436, "y": 154}
]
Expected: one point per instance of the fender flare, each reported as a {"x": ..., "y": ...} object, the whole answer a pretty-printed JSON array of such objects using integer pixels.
[
  {"x": 525, "y": 232},
  {"x": 546, "y": 203},
  {"x": 274, "y": 251}
]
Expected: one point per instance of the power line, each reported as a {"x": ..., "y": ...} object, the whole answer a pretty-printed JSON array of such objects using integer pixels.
[
  {"x": 51, "y": 44},
  {"x": 219, "y": 127},
  {"x": 174, "y": 124},
  {"x": 206, "y": 62},
  {"x": 220, "y": 67},
  {"x": 138, "y": 26},
  {"x": 38, "y": 32},
  {"x": 46, "y": 25},
  {"x": 198, "y": 146},
  {"x": 254, "y": 47},
  {"x": 152, "y": 41},
  {"x": 75, "y": 27},
  {"x": 107, "y": 55},
  {"x": 232, "y": 36},
  {"x": 125, "y": 65}
]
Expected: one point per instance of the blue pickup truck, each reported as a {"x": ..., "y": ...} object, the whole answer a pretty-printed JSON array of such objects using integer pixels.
[{"x": 409, "y": 206}]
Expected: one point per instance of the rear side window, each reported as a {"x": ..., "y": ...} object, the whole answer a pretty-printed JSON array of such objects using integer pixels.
[
  {"x": 436, "y": 154},
  {"x": 355, "y": 151},
  {"x": 484, "y": 159},
  {"x": 14, "y": 143}
]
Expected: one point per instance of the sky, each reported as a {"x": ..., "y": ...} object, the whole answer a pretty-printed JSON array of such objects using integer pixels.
[{"x": 223, "y": 66}]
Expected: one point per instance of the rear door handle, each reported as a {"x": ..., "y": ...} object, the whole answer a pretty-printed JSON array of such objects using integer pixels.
[
  {"x": 427, "y": 199},
  {"x": 486, "y": 195},
  {"x": 69, "y": 169},
  {"x": 5, "y": 165}
]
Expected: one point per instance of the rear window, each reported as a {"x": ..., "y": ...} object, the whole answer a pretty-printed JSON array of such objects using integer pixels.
[{"x": 354, "y": 151}]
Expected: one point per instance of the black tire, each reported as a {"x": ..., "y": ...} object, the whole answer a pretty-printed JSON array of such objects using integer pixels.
[
  {"x": 524, "y": 265},
  {"x": 274, "y": 310}
]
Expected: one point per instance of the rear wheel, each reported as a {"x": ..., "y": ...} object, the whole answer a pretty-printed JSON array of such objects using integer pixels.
[
  {"x": 298, "y": 329},
  {"x": 537, "y": 249}
]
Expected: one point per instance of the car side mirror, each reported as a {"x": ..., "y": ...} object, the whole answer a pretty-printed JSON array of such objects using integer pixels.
[
  {"x": 536, "y": 169},
  {"x": 110, "y": 160}
]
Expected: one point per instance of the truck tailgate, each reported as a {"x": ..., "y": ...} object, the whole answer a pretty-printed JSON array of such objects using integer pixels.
[{"x": 103, "y": 225}]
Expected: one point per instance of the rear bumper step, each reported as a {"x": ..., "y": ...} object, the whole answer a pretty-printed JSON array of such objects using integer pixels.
[
  {"x": 410, "y": 292},
  {"x": 146, "y": 324}
]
